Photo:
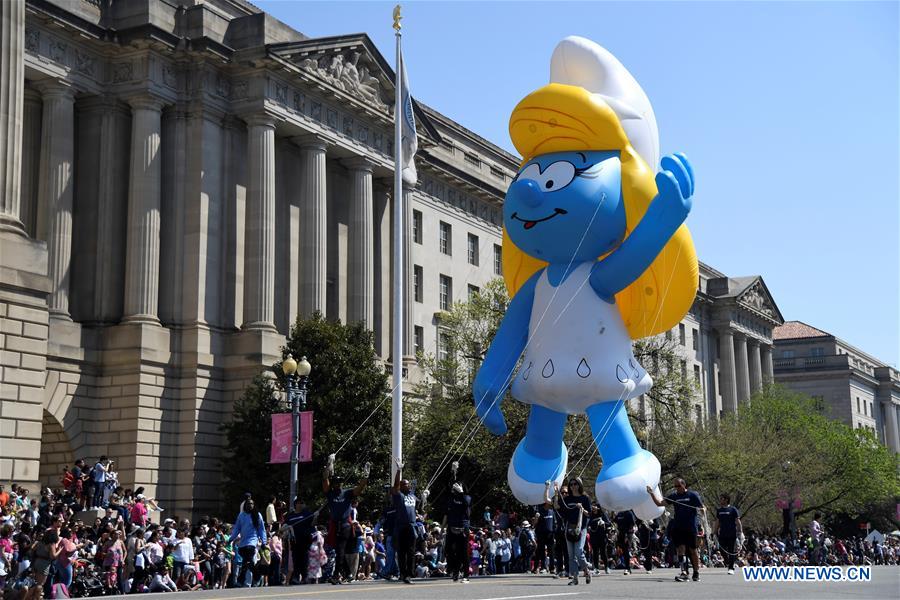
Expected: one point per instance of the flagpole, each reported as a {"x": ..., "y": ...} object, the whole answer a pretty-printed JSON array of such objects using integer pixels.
[{"x": 397, "y": 401}]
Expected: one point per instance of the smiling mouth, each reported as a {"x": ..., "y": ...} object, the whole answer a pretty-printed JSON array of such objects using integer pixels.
[{"x": 528, "y": 223}]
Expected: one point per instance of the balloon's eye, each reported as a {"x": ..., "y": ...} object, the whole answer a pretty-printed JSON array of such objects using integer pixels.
[{"x": 549, "y": 184}]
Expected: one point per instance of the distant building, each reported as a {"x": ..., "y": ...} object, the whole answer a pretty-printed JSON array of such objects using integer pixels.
[{"x": 846, "y": 383}]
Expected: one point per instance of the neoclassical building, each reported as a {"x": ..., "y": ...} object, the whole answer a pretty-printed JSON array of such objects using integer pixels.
[{"x": 180, "y": 178}]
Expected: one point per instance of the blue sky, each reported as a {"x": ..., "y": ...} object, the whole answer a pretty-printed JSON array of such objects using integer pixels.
[{"x": 788, "y": 112}]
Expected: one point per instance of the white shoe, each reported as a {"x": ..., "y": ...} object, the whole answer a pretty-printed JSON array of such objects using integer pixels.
[
  {"x": 529, "y": 492},
  {"x": 731, "y": 571}
]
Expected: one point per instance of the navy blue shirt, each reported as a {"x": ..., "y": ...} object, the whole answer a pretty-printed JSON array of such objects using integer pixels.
[
  {"x": 572, "y": 508},
  {"x": 458, "y": 508},
  {"x": 302, "y": 524},
  {"x": 545, "y": 519},
  {"x": 405, "y": 505},
  {"x": 686, "y": 505},
  {"x": 727, "y": 516},
  {"x": 339, "y": 503},
  {"x": 390, "y": 519},
  {"x": 625, "y": 521}
]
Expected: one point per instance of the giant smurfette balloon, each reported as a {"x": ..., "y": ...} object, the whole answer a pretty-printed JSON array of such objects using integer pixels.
[{"x": 595, "y": 255}]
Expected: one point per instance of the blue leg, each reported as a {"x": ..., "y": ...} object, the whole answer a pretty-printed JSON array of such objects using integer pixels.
[
  {"x": 627, "y": 468},
  {"x": 613, "y": 435},
  {"x": 540, "y": 456}
]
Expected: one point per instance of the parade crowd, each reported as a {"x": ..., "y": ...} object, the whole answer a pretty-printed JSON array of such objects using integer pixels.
[{"x": 47, "y": 550}]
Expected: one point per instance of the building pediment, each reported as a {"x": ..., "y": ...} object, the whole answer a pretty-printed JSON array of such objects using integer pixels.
[
  {"x": 756, "y": 297},
  {"x": 349, "y": 66}
]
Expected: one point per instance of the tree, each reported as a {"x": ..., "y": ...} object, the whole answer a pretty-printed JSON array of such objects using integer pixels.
[{"x": 349, "y": 397}]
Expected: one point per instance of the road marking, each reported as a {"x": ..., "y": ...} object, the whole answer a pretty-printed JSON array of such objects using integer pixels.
[{"x": 534, "y": 596}]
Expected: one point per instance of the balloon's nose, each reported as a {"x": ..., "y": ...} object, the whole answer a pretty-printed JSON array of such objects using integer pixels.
[{"x": 527, "y": 192}]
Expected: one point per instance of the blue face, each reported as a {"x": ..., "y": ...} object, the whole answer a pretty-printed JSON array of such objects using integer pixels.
[{"x": 566, "y": 206}]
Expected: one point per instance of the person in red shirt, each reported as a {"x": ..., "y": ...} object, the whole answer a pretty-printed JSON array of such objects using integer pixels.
[{"x": 4, "y": 497}]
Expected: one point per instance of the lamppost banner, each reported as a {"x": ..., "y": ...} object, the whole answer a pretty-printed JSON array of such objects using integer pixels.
[{"x": 281, "y": 437}]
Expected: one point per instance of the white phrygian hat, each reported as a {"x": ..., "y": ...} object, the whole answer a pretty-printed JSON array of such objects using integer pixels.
[{"x": 579, "y": 61}]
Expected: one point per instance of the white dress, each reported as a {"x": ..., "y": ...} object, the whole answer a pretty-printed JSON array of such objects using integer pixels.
[{"x": 578, "y": 352}]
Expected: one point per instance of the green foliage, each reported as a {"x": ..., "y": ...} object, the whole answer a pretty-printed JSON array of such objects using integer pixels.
[
  {"x": 346, "y": 385},
  {"x": 779, "y": 446}
]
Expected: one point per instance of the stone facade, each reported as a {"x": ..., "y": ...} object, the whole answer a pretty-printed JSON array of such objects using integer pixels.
[
  {"x": 846, "y": 383},
  {"x": 180, "y": 179}
]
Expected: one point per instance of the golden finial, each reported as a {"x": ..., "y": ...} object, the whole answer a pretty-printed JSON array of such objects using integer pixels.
[{"x": 397, "y": 17}]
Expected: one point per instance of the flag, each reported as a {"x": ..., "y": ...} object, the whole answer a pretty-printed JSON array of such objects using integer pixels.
[
  {"x": 408, "y": 140},
  {"x": 282, "y": 437}
]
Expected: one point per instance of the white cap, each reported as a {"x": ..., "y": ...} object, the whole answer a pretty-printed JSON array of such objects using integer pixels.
[{"x": 581, "y": 62}]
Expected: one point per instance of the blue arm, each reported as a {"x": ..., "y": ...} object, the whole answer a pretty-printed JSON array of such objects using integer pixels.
[
  {"x": 495, "y": 373},
  {"x": 666, "y": 213}
]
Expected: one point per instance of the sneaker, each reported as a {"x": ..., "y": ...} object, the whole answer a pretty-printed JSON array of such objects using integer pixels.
[
  {"x": 406, "y": 580},
  {"x": 649, "y": 571},
  {"x": 455, "y": 577},
  {"x": 573, "y": 581},
  {"x": 465, "y": 580},
  {"x": 681, "y": 577},
  {"x": 627, "y": 572},
  {"x": 696, "y": 576},
  {"x": 731, "y": 571},
  {"x": 587, "y": 578},
  {"x": 606, "y": 570}
]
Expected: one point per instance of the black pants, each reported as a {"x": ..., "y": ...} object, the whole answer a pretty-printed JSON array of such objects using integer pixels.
[
  {"x": 457, "y": 556},
  {"x": 623, "y": 540},
  {"x": 300, "y": 551},
  {"x": 561, "y": 552},
  {"x": 248, "y": 553},
  {"x": 343, "y": 534},
  {"x": 544, "y": 550},
  {"x": 647, "y": 553},
  {"x": 405, "y": 545},
  {"x": 728, "y": 550},
  {"x": 600, "y": 549}
]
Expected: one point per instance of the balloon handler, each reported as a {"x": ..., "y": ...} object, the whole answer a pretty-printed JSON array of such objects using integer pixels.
[{"x": 595, "y": 255}]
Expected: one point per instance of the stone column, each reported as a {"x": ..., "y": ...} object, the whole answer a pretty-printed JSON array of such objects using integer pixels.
[
  {"x": 727, "y": 370},
  {"x": 55, "y": 191},
  {"x": 31, "y": 160},
  {"x": 382, "y": 278},
  {"x": 768, "y": 374},
  {"x": 755, "y": 359},
  {"x": 259, "y": 257},
  {"x": 891, "y": 429},
  {"x": 12, "y": 87},
  {"x": 313, "y": 224},
  {"x": 361, "y": 299},
  {"x": 144, "y": 188},
  {"x": 409, "y": 350},
  {"x": 742, "y": 369}
]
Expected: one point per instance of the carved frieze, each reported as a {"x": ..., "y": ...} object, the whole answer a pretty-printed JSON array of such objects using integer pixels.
[
  {"x": 281, "y": 93},
  {"x": 240, "y": 89},
  {"x": 84, "y": 63},
  {"x": 756, "y": 298},
  {"x": 348, "y": 126},
  {"x": 32, "y": 39},
  {"x": 299, "y": 102},
  {"x": 351, "y": 72},
  {"x": 58, "y": 51},
  {"x": 331, "y": 118},
  {"x": 169, "y": 76},
  {"x": 122, "y": 72}
]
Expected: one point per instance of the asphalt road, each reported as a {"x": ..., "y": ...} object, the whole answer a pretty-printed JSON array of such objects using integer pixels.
[{"x": 715, "y": 584}]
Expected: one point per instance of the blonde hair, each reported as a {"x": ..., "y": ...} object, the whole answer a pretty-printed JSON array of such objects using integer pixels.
[{"x": 566, "y": 118}]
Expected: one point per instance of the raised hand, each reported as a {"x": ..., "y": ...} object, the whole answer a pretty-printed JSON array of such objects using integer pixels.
[{"x": 675, "y": 186}]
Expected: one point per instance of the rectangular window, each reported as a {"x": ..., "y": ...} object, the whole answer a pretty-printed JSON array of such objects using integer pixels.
[
  {"x": 417, "y": 283},
  {"x": 684, "y": 369},
  {"x": 697, "y": 372},
  {"x": 698, "y": 413},
  {"x": 498, "y": 172},
  {"x": 817, "y": 351},
  {"x": 420, "y": 340},
  {"x": 417, "y": 226},
  {"x": 681, "y": 335},
  {"x": 443, "y": 345},
  {"x": 498, "y": 260},
  {"x": 787, "y": 354},
  {"x": 871, "y": 410},
  {"x": 695, "y": 339},
  {"x": 446, "y": 290},
  {"x": 858, "y": 406},
  {"x": 473, "y": 291},
  {"x": 473, "y": 249},
  {"x": 819, "y": 403},
  {"x": 445, "y": 241},
  {"x": 473, "y": 160}
]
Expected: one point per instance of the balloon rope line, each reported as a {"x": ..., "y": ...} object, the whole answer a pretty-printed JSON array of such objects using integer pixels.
[{"x": 509, "y": 376}]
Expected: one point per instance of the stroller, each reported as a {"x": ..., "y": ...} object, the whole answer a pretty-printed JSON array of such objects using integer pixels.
[{"x": 86, "y": 580}]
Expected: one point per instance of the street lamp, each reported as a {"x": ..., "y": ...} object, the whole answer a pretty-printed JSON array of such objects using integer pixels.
[{"x": 295, "y": 378}]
